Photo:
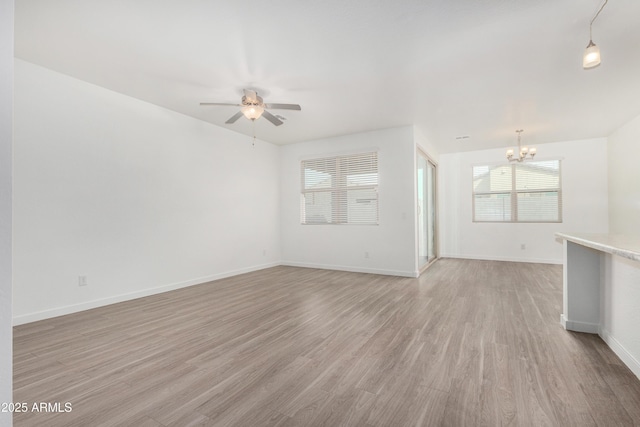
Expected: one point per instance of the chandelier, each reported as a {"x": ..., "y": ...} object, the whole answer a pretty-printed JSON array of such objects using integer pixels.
[{"x": 523, "y": 152}]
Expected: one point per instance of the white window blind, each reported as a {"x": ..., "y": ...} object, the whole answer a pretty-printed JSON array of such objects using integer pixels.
[
  {"x": 522, "y": 192},
  {"x": 340, "y": 190}
]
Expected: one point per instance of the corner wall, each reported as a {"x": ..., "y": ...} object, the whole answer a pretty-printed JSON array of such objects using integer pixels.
[
  {"x": 584, "y": 187},
  {"x": 136, "y": 198},
  {"x": 6, "y": 127},
  {"x": 425, "y": 144},
  {"x": 624, "y": 179},
  {"x": 620, "y": 300},
  {"x": 391, "y": 244}
]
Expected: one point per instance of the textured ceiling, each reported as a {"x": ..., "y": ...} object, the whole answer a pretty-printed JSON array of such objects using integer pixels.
[{"x": 481, "y": 68}]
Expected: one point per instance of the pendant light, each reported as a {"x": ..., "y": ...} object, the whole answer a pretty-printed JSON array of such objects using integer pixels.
[
  {"x": 591, "y": 57},
  {"x": 524, "y": 153}
]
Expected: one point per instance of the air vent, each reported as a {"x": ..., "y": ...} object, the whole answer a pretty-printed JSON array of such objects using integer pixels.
[{"x": 462, "y": 138}]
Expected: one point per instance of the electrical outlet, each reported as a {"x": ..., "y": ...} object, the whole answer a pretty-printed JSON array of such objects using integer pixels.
[
  {"x": 264, "y": 252},
  {"x": 366, "y": 254},
  {"x": 523, "y": 246},
  {"x": 82, "y": 280}
]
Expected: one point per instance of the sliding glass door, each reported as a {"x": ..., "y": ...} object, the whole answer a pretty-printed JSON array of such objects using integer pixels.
[{"x": 427, "y": 238}]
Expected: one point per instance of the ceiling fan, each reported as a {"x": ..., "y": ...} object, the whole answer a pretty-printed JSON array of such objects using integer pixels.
[{"x": 253, "y": 107}]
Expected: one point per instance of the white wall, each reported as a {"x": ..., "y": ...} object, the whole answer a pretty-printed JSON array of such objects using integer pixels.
[
  {"x": 137, "y": 198},
  {"x": 6, "y": 120},
  {"x": 425, "y": 144},
  {"x": 391, "y": 244},
  {"x": 585, "y": 209},
  {"x": 620, "y": 303},
  {"x": 620, "y": 308},
  {"x": 624, "y": 179}
]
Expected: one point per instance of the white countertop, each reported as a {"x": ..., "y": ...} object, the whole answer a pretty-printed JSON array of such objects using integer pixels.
[{"x": 617, "y": 244}]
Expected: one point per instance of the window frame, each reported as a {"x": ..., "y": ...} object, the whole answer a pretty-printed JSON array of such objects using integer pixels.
[
  {"x": 339, "y": 189},
  {"x": 513, "y": 192}
]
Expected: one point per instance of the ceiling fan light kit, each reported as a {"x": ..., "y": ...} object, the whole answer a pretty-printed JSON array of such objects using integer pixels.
[
  {"x": 252, "y": 112},
  {"x": 253, "y": 107},
  {"x": 591, "y": 57}
]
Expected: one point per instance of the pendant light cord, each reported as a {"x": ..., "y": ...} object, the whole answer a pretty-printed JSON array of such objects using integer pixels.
[
  {"x": 594, "y": 18},
  {"x": 519, "y": 143}
]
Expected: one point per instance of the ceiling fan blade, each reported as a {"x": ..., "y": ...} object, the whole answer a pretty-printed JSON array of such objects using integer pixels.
[
  {"x": 235, "y": 117},
  {"x": 250, "y": 95},
  {"x": 219, "y": 103},
  {"x": 283, "y": 106},
  {"x": 273, "y": 119}
]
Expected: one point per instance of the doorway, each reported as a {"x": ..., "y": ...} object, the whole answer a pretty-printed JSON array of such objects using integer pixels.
[{"x": 427, "y": 218}]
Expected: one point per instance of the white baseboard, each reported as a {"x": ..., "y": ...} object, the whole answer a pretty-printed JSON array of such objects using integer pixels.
[
  {"x": 352, "y": 269},
  {"x": 508, "y": 259},
  {"x": 572, "y": 325},
  {"x": 591, "y": 328},
  {"x": 61, "y": 311},
  {"x": 624, "y": 355}
]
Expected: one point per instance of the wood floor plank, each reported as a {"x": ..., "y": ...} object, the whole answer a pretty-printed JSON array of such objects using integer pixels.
[
  {"x": 467, "y": 343},
  {"x": 349, "y": 409}
]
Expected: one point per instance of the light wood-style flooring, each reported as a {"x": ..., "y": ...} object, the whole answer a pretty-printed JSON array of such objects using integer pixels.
[{"x": 469, "y": 343}]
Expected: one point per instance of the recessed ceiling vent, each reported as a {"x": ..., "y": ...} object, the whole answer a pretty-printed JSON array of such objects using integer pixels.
[{"x": 462, "y": 138}]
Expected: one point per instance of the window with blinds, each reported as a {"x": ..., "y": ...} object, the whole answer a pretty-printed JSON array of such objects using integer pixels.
[
  {"x": 521, "y": 192},
  {"x": 340, "y": 190}
]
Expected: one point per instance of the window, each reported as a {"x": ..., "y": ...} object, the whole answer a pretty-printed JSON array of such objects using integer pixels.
[
  {"x": 522, "y": 192},
  {"x": 340, "y": 190}
]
